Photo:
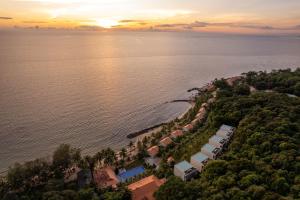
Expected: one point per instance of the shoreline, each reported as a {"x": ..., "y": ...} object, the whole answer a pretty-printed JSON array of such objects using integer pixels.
[{"x": 155, "y": 128}]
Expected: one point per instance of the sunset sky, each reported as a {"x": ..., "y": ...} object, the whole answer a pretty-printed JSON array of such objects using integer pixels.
[{"x": 241, "y": 16}]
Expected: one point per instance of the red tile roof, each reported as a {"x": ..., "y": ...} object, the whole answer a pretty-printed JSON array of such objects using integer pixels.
[
  {"x": 176, "y": 133},
  {"x": 145, "y": 188},
  {"x": 105, "y": 177},
  {"x": 166, "y": 141},
  {"x": 153, "y": 151},
  {"x": 188, "y": 127}
]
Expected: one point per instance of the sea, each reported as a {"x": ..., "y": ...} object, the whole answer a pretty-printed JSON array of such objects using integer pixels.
[{"x": 91, "y": 89}]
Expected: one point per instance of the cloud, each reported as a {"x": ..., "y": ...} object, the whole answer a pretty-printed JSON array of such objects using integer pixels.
[
  {"x": 169, "y": 25},
  {"x": 133, "y": 21},
  {"x": 202, "y": 24},
  {"x": 90, "y": 27},
  {"x": 34, "y": 22},
  {"x": 6, "y": 18},
  {"x": 130, "y": 21}
]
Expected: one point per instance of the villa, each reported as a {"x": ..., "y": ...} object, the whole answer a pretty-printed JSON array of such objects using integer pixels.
[
  {"x": 105, "y": 177},
  {"x": 145, "y": 188},
  {"x": 211, "y": 151},
  {"x": 199, "y": 160},
  {"x": 185, "y": 171},
  {"x": 176, "y": 134},
  {"x": 170, "y": 160},
  {"x": 204, "y": 105},
  {"x": 217, "y": 141},
  {"x": 153, "y": 161},
  {"x": 225, "y": 131},
  {"x": 165, "y": 142},
  {"x": 153, "y": 151},
  {"x": 227, "y": 128},
  {"x": 188, "y": 127}
]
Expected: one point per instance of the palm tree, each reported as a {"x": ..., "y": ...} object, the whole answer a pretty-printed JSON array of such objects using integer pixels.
[
  {"x": 109, "y": 157},
  {"x": 99, "y": 157},
  {"x": 91, "y": 164},
  {"x": 123, "y": 153}
]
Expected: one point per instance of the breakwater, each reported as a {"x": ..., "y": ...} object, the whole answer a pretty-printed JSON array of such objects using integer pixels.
[{"x": 138, "y": 133}]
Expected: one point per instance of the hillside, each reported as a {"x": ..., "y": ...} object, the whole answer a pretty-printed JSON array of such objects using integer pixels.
[{"x": 263, "y": 160}]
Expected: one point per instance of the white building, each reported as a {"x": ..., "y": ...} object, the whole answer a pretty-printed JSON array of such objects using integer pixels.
[
  {"x": 199, "y": 160},
  {"x": 211, "y": 151},
  {"x": 185, "y": 171},
  {"x": 225, "y": 131},
  {"x": 217, "y": 141}
]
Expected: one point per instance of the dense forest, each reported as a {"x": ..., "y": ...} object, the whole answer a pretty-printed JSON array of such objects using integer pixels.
[{"x": 261, "y": 162}]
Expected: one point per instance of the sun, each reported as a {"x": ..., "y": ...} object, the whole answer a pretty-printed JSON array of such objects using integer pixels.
[{"x": 107, "y": 23}]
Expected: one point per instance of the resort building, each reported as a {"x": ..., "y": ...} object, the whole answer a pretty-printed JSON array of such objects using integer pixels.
[
  {"x": 165, "y": 142},
  {"x": 129, "y": 174},
  {"x": 227, "y": 128},
  {"x": 211, "y": 151},
  {"x": 217, "y": 141},
  {"x": 170, "y": 160},
  {"x": 230, "y": 81},
  {"x": 200, "y": 116},
  {"x": 202, "y": 110},
  {"x": 199, "y": 160},
  {"x": 105, "y": 177},
  {"x": 188, "y": 128},
  {"x": 145, "y": 188},
  {"x": 185, "y": 171},
  {"x": 204, "y": 105},
  {"x": 153, "y": 161},
  {"x": 153, "y": 151},
  {"x": 70, "y": 174},
  {"x": 225, "y": 131},
  {"x": 176, "y": 134},
  {"x": 195, "y": 122}
]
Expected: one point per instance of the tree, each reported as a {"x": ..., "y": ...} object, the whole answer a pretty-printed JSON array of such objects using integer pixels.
[
  {"x": 91, "y": 163},
  {"x": 123, "y": 153},
  {"x": 174, "y": 188},
  {"x": 122, "y": 193},
  {"x": 64, "y": 156},
  {"x": 242, "y": 89}
]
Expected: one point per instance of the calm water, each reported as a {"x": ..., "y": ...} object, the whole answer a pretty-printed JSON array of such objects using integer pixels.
[{"x": 92, "y": 89}]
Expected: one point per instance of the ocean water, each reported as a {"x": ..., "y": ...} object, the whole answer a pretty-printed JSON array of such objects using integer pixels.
[{"x": 91, "y": 89}]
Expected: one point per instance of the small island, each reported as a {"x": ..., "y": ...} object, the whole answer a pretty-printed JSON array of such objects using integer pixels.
[{"x": 239, "y": 140}]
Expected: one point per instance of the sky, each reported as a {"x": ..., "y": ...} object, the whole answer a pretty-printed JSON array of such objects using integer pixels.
[{"x": 233, "y": 16}]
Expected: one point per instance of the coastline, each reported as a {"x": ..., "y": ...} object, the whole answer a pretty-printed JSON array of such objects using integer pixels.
[{"x": 139, "y": 135}]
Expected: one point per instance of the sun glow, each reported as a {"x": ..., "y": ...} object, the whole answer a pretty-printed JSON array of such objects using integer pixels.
[{"x": 107, "y": 23}]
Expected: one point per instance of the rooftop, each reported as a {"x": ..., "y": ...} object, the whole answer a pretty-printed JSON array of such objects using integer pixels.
[
  {"x": 226, "y": 127},
  {"x": 183, "y": 166},
  {"x": 153, "y": 151},
  {"x": 166, "y": 141},
  {"x": 124, "y": 176},
  {"x": 144, "y": 188},
  {"x": 177, "y": 133},
  {"x": 105, "y": 177},
  {"x": 218, "y": 139},
  {"x": 188, "y": 126},
  {"x": 209, "y": 147},
  {"x": 200, "y": 157}
]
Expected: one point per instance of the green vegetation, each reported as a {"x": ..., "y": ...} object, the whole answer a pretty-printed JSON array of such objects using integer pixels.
[
  {"x": 263, "y": 160},
  {"x": 42, "y": 179}
]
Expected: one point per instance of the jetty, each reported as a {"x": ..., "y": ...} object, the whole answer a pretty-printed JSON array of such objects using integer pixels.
[{"x": 138, "y": 133}]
